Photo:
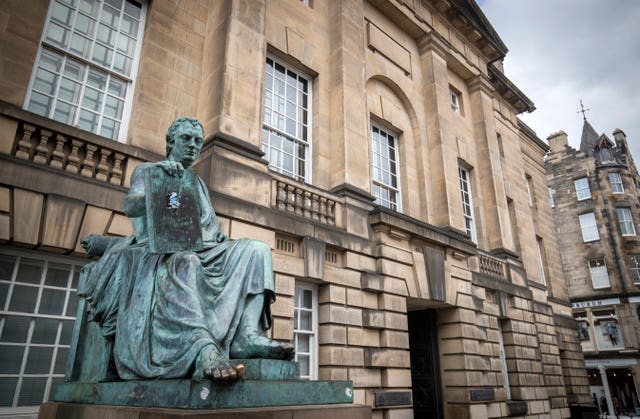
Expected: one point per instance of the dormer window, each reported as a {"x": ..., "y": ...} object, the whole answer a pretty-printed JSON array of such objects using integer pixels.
[{"x": 606, "y": 155}]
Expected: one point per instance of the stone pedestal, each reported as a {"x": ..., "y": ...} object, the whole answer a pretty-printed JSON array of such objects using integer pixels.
[
  {"x": 54, "y": 410},
  {"x": 270, "y": 389}
]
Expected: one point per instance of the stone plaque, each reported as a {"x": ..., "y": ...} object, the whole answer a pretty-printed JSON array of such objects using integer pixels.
[
  {"x": 392, "y": 398},
  {"x": 173, "y": 214},
  {"x": 480, "y": 395}
]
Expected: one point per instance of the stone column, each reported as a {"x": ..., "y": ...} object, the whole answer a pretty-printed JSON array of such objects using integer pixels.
[
  {"x": 349, "y": 120},
  {"x": 496, "y": 228},
  {"x": 443, "y": 162},
  {"x": 607, "y": 393},
  {"x": 230, "y": 100}
]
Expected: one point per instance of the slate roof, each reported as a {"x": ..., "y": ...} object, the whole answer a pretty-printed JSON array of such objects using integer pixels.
[{"x": 589, "y": 138}]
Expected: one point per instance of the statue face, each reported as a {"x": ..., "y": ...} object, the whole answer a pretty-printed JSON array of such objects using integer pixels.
[{"x": 187, "y": 143}]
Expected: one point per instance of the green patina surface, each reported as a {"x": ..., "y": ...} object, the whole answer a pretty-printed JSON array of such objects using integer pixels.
[{"x": 202, "y": 394}]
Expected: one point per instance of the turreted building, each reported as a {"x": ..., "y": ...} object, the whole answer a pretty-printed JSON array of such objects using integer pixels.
[{"x": 595, "y": 200}]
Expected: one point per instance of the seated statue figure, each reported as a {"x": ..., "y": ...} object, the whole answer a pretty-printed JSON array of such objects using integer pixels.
[{"x": 187, "y": 313}]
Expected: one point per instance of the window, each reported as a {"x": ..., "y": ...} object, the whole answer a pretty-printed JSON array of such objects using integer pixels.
[
  {"x": 456, "y": 101},
  {"x": 616, "y": 182},
  {"x": 599, "y": 274},
  {"x": 305, "y": 326},
  {"x": 582, "y": 188},
  {"x": 551, "y": 198},
  {"x": 541, "y": 260},
  {"x": 605, "y": 154},
  {"x": 502, "y": 324},
  {"x": 529, "y": 190},
  {"x": 467, "y": 203},
  {"x": 634, "y": 266},
  {"x": 38, "y": 305},
  {"x": 386, "y": 183},
  {"x": 626, "y": 222},
  {"x": 286, "y": 133},
  {"x": 86, "y": 65},
  {"x": 589, "y": 227},
  {"x": 500, "y": 145}
]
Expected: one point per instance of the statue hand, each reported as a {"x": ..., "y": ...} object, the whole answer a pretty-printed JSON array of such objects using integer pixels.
[
  {"x": 85, "y": 242},
  {"x": 220, "y": 237},
  {"x": 172, "y": 168}
]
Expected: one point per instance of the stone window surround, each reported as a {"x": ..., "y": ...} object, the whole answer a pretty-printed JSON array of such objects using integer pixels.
[{"x": 127, "y": 77}]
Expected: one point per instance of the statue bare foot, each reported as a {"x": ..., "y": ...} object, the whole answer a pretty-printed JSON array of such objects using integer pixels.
[
  {"x": 254, "y": 345},
  {"x": 213, "y": 365}
]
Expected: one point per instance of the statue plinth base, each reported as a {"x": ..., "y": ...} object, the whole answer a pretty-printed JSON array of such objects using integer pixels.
[
  {"x": 54, "y": 410},
  {"x": 267, "y": 384}
]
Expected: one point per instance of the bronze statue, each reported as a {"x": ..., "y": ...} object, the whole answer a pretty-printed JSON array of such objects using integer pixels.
[{"x": 186, "y": 312}]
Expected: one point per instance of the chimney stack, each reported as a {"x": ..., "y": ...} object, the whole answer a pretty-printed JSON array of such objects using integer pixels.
[{"x": 558, "y": 141}]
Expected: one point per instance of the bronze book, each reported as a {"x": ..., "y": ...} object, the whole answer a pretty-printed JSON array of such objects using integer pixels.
[{"x": 173, "y": 214}]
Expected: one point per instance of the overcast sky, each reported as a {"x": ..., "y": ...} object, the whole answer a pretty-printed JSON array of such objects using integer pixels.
[{"x": 561, "y": 51}]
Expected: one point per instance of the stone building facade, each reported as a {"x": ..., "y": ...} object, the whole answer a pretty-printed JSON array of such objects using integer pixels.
[
  {"x": 595, "y": 207},
  {"x": 374, "y": 145}
]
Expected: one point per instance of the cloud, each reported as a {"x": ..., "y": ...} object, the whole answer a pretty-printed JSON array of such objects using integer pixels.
[{"x": 563, "y": 51}]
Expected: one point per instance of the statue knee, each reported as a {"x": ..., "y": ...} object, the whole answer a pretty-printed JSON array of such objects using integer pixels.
[{"x": 187, "y": 260}]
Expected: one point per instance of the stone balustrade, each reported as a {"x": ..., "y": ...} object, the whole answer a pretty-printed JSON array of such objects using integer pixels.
[
  {"x": 43, "y": 141},
  {"x": 75, "y": 155},
  {"x": 304, "y": 200},
  {"x": 492, "y": 266}
]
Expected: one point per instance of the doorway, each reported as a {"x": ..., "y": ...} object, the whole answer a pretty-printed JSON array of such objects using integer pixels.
[{"x": 425, "y": 364}]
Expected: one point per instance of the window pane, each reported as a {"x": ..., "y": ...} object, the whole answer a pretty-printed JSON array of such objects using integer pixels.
[
  {"x": 72, "y": 304},
  {"x": 88, "y": 121},
  {"x": 30, "y": 271},
  {"x": 57, "y": 35},
  {"x": 7, "y": 262},
  {"x": 57, "y": 274},
  {"x": 11, "y": 359},
  {"x": 7, "y": 390},
  {"x": 45, "y": 81},
  {"x": 39, "y": 104},
  {"x": 303, "y": 343},
  {"x": 305, "y": 320},
  {"x": 69, "y": 91},
  {"x": 109, "y": 128},
  {"x": 132, "y": 9},
  {"x": 45, "y": 331},
  {"x": 32, "y": 391},
  {"x": 85, "y": 25},
  {"x": 4, "y": 290},
  {"x": 117, "y": 88},
  {"x": 67, "y": 331},
  {"x": 16, "y": 329},
  {"x": 61, "y": 361},
  {"x": 52, "y": 302},
  {"x": 64, "y": 113},
  {"x": 109, "y": 15},
  {"x": 39, "y": 360},
  {"x": 23, "y": 299}
]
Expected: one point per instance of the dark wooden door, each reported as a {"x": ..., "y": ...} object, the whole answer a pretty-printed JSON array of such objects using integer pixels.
[{"x": 425, "y": 364}]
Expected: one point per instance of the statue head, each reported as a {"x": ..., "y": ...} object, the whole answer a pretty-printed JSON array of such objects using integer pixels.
[
  {"x": 173, "y": 129},
  {"x": 185, "y": 138}
]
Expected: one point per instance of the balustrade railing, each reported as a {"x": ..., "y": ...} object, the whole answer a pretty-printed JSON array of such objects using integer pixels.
[
  {"x": 492, "y": 266},
  {"x": 303, "y": 201},
  {"x": 75, "y": 155},
  {"x": 46, "y": 142}
]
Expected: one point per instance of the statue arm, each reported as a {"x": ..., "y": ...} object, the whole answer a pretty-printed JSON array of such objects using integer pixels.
[{"x": 134, "y": 203}]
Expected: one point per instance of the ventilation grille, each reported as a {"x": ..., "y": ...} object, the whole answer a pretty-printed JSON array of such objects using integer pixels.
[
  {"x": 287, "y": 245},
  {"x": 333, "y": 257}
]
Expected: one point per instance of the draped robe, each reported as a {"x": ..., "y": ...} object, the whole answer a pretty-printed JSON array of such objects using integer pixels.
[{"x": 162, "y": 310}]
